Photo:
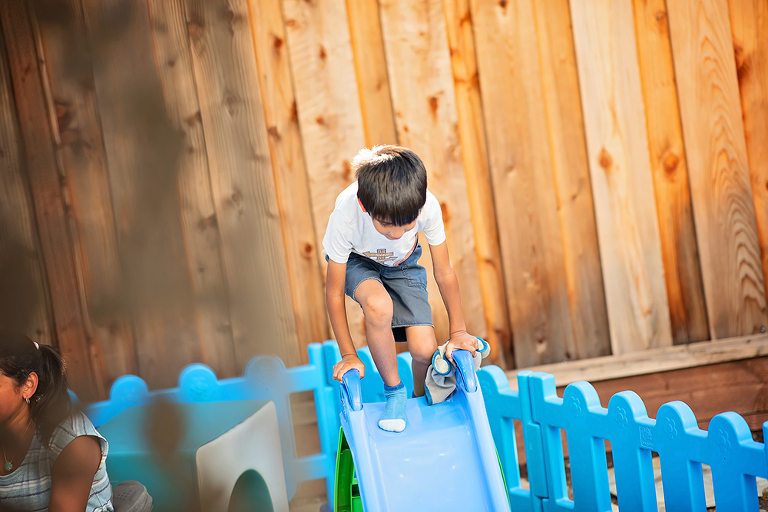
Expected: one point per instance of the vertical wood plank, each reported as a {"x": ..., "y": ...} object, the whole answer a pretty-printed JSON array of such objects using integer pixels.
[
  {"x": 749, "y": 24},
  {"x": 716, "y": 151},
  {"x": 142, "y": 149},
  {"x": 474, "y": 151},
  {"x": 80, "y": 148},
  {"x": 291, "y": 182},
  {"x": 576, "y": 210},
  {"x": 242, "y": 180},
  {"x": 418, "y": 59},
  {"x": 328, "y": 108},
  {"x": 622, "y": 181},
  {"x": 173, "y": 61},
  {"x": 46, "y": 191},
  {"x": 682, "y": 269},
  {"x": 371, "y": 72},
  {"x": 22, "y": 273},
  {"x": 523, "y": 185}
]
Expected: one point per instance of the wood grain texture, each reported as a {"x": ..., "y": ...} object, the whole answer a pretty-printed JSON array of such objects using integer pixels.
[
  {"x": 80, "y": 148},
  {"x": 52, "y": 217},
  {"x": 657, "y": 360},
  {"x": 474, "y": 152},
  {"x": 739, "y": 386},
  {"x": 568, "y": 153},
  {"x": 523, "y": 182},
  {"x": 716, "y": 151},
  {"x": 622, "y": 181},
  {"x": 329, "y": 113},
  {"x": 173, "y": 61},
  {"x": 682, "y": 268},
  {"x": 749, "y": 25},
  {"x": 23, "y": 286},
  {"x": 423, "y": 96},
  {"x": 291, "y": 181},
  {"x": 142, "y": 148},
  {"x": 371, "y": 72},
  {"x": 242, "y": 181}
]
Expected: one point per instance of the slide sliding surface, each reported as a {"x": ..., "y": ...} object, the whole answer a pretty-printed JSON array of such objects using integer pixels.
[{"x": 444, "y": 460}]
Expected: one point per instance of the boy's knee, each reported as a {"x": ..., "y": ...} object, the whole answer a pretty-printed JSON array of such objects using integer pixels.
[
  {"x": 422, "y": 352},
  {"x": 378, "y": 308}
]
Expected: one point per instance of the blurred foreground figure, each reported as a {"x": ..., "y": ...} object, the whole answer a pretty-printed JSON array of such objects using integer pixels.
[{"x": 53, "y": 457}]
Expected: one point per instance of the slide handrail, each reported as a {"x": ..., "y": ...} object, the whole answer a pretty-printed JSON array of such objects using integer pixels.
[
  {"x": 465, "y": 371},
  {"x": 351, "y": 390}
]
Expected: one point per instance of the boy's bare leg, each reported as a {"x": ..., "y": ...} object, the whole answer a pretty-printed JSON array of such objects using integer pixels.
[
  {"x": 377, "y": 308},
  {"x": 422, "y": 345}
]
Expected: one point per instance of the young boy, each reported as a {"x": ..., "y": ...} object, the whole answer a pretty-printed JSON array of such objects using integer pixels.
[{"x": 372, "y": 248}]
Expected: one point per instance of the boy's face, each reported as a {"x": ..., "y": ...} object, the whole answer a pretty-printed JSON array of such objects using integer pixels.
[{"x": 390, "y": 231}]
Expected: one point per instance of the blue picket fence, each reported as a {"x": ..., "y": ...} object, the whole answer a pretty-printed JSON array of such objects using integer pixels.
[{"x": 727, "y": 446}]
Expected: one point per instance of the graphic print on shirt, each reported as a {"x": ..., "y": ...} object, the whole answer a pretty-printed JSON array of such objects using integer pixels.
[{"x": 380, "y": 256}]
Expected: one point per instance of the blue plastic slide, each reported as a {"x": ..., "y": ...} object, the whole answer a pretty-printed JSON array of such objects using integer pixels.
[{"x": 444, "y": 460}]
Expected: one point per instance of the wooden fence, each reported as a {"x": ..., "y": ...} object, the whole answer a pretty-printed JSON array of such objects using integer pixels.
[{"x": 167, "y": 168}]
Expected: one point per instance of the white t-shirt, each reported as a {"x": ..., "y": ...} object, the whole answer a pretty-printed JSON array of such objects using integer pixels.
[{"x": 350, "y": 229}]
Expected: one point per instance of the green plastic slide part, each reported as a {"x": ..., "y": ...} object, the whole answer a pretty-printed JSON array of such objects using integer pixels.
[
  {"x": 503, "y": 478},
  {"x": 346, "y": 491}
]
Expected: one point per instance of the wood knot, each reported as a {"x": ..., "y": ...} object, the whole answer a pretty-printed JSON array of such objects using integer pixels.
[
  {"x": 232, "y": 17},
  {"x": 171, "y": 62},
  {"x": 346, "y": 169},
  {"x": 671, "y": 162},
  {"x": 272, "y": 131},
  {"x": 503, "y": 4},
  {"x": 405, "y": 128},
  {"x": 433, "y": 104},
  {"x": 743, "y": 63},
  {"x": 277, "y": 42},
  {"x": 207, "y": 222},
  {"x": 195, "y": 30},
  {"x": 193, "y": 119},
  {"x": 320, "y": 120},
  {"x": 322, "y": 53},
  {"x": 605, "y": 159},
  {"x": 64, "y": 116},
  {"x": 236, "y": 199},
  {"x": 231, "y": 101},
  {"x": 306, "y": 249},
  {"x": 444, "y": 210}
]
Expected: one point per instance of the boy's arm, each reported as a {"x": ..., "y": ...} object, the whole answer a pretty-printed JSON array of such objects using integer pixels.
[
  {"x": 448, "y": 284},
  {"x": 334, "y": 299}
]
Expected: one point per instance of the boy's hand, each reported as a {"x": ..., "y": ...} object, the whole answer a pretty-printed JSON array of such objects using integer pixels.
[
  {"x": 348, "y": 362},
  {"x": 461, "y": 340}
]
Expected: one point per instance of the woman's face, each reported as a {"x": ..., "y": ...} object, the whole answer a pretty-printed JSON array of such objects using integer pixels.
[{"x": 11, "y": 398}]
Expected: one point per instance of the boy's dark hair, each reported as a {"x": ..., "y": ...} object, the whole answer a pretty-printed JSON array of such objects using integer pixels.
[
  {"x": 20, "y": 356},
  {"x": 391, "y": 183}
]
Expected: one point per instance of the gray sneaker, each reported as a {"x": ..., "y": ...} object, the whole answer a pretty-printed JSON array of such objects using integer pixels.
[{"x": 131, "y": 496}]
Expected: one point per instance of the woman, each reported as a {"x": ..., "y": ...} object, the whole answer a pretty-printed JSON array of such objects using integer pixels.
[{"x": 53, "y": 457}]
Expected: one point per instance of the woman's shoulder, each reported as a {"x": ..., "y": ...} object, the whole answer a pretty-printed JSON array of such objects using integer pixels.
[{"x": 76, "y": 424}]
